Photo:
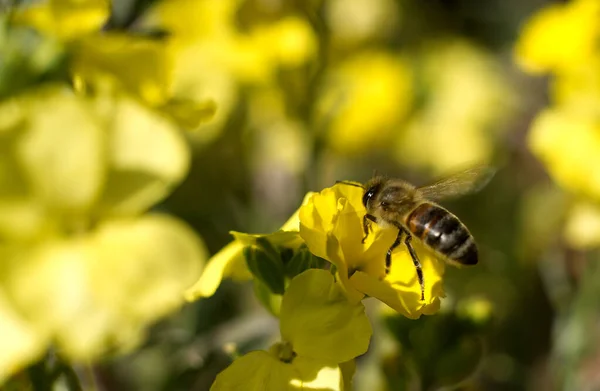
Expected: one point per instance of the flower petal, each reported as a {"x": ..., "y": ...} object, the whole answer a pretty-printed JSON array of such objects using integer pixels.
[
  {"x": 65, "y": 165},
  {"x": 259, "y": 371},
  {"x": 140, "y": 65},
  {"x": 21, "y": 343},
  {"x": 215, "y": 270},
  {"x": 320, "y": 322},
  {"x": 98, "y": 293},
  {"x": 400, "y": 289},
  {"x": 66, "y": 19},
  {"x": 148, "y": 156}
]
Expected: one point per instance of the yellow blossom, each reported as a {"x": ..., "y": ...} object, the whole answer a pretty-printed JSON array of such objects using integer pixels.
[
  {"x": 21, "y": 344},
  {"x": 73, "y": 274},
  {"x": 363, "y": 100},
  {"x": 290, "y": 42},
  {"x": 456, "y": 132},
  {"x": 96, "y": 293},
  {"x": 560, "y": 36},
  {"x": 331, "y": 226},
  {"x": 582, "y": 228},
  {"x": 141, "y": 66},
  {"x": 578, "y": 90},
  {"x": 213, "y": 57},
  {"x": 321, "y": 333},
  {"x": 356, "y": 21},
  {"x": 65, "y": 19},
  {"x": 117, "y": 156},
  {"x": 569, "y": 145},
  {"x": 229, "y": 262},
  {"x": 101, "y": 61}
]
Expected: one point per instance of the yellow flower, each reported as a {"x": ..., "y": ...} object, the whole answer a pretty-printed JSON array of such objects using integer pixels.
[
  {"x": 229, "y": 262},
  {"x": 582, "y": 228},
  {"x": 141, "y": 66},
  {"x": 81, "y": 269},
  {"x": 331, "y": 226},
  {"x": 458, "y": 132},
  {"x": 289, "y": 42},
  {"x": 559, "y": 36},
  {"x": 95, "y": 294},
  {"x": 321, "y": 332},
  {"x": 569, "y": 146},
  {"x": 65, "y": 19},
  {"x": 113, "y": 61},
  {"x": 213, "y": 57},
  {"x": 116, "y": 157},
  {"x": 578, "y": 90},
  {"x": 364, "y": 100},
  {"x": 21, "y": 344}
]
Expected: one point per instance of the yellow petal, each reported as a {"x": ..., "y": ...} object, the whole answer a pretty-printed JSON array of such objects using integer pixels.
[
  {"x": 21, "y": 343},
  {"x": 230, "y": 262},
  {"x": 188, "y": 113},
  {"x": 364, "y": 100},
  {"x": 291, "y": 41},
  {"x": 319, "y": 321},
  {"x": 316, "y": 375},
  {"x": 331, "y": 225},
  {"x": 293, "y": 223},
  {"x": 153, "y": 258},
  {"x": 65, "y": 165},
  {"x": 260, "y": 371},
  {"x": 21, "y": 218},
  {"x": 66, "y": 19},
  {"x": 256, "y": 371},
  {"x": 400, "y": 289},
  {"x": 569, "y": 145},
  {"x": 98, "y": 293},
  {"x": 214, "y": 272},
  {"x": 560, "y": 36},
  {"x": 148, "y": 155},
  {"x": 582, "y": 229},
  {"x": 140, "y": 65}
]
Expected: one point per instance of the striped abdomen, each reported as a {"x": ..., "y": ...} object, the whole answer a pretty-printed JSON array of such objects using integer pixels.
[{"x": 443, "y": 232}]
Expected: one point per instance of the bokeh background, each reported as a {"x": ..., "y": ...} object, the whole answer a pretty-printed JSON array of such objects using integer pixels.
[{"x": 309, "y": 92}]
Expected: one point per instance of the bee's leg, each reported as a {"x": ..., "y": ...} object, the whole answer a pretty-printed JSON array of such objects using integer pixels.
[
  {"x": 388, "y": 256},
  {"x": 366, "y": 219},
  {"x": 415, "y": 259}
]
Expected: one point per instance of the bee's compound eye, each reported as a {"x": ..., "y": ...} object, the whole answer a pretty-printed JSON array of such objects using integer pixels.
[{"x": 368, "y": 195}]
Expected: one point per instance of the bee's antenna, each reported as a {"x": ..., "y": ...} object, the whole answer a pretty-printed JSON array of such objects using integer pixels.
[
  {"x": 350, "y": 184},
  {"x": 374, "y": 173}
]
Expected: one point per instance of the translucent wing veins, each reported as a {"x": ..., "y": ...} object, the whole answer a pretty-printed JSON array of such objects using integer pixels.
[{"x": 469, "y": 181}]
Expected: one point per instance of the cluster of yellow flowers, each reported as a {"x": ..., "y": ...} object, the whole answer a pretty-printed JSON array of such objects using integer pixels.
[
  {"x": 561, "y": 40},
  {"x": 83, "y": 268},
  {"x": 323, "y": 325}
]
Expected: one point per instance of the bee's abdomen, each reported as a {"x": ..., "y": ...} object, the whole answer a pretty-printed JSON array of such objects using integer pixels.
[{"x": 443, "y": 232}]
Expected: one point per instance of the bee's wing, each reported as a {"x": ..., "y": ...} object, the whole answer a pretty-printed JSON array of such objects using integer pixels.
[{"x": 468, "y": 181}]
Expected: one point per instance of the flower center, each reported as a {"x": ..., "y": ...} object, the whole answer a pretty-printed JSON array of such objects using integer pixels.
[{"x": 284, "y": 351}]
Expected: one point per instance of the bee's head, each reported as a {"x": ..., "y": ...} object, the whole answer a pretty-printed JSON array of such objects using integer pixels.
[{"x": 372, "y": 188}]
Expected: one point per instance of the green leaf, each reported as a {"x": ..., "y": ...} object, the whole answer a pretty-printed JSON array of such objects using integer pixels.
[
  {"x": 266, "y": 266},
  {"x": 303, "y": 260},
  {"x": 28, "y": 59}
]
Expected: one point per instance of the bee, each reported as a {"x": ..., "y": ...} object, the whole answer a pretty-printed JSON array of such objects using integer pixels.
[{"x": 414, "y": 212}]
